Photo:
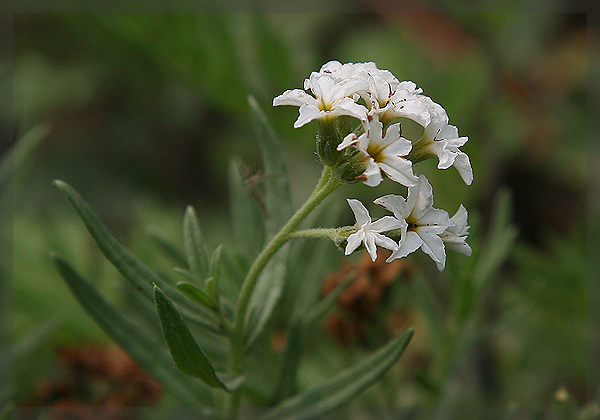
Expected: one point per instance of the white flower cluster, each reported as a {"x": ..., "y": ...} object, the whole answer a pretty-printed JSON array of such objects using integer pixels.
[{"x": 376, "y": 98}]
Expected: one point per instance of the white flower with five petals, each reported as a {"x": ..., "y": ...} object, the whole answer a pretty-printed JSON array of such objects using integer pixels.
[
  {"x": 424, "y": 224},
  {"x": 369, "y": 233},
  {"x": 382, "y": 152},
  {"x": 331, "y": 99}
]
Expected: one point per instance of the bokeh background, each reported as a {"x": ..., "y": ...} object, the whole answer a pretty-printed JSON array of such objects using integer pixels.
[{"x": 141, "y": 113}]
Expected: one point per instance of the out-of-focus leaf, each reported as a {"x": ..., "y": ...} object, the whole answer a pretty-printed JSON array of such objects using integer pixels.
[
  {"x": 146, "y": 351},
  {"x": 195, "y": 247},
  {"x": 267, "y": 292},
  {"x": 278, "y": 198},
  {"x": 273, "y": 57},
  {"x": 14, "y": 163},
  {"x": 216, "y": 270},
  {"x": 427, "y": 302},
  {"x": 196, "y": 295},
  {"x": 169, "y": 248},
  {"x": 21, "y": 357},
  {"x": 247, "y": 222},
  {"x": 278, "y": 202},
  {"x": 498, "y": 244},
  {"x": 340, "y": 389},
  {"x": 198, "y": 48},
  {"x": 186, "y": 353}
]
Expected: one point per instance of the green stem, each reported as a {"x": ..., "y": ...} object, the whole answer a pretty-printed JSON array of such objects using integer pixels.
[
  {"x": 326, "y": 185},
  {"x": 325, "y": 233}
]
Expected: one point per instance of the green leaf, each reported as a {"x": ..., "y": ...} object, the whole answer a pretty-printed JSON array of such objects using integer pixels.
[
  {"x": 498, "y": 244},
  {"x": 337, "y": 391},
  {"x": 186, "y": 353},
  {"x": 216, "y": 269},
  {"x": 134, "y": 271},
  {"x": 195, "y": 247},
  {"x": 278, "y": 198},
  {"x": 168, "y": 248},
  {"x": 196, "y": 295},
  {"x": 211, "y": 287},
  {"x": 425, "y": 299},
  {"x": 149, "y": 353},
  {"x": 266, "y": 294},
  {"x": 278, "y": 203},
  {"x": 247, "y": 221},
  {"x": 16, "y": 161},
  {"x": 15, "y": 167}
]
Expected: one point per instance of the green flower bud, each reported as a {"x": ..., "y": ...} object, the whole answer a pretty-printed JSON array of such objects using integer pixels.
[
  {"x": 351, "y": 166},
  {"x": 330, "y": 134}
]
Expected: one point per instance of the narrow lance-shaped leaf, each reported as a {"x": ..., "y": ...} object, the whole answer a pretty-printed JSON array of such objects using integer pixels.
[
  {"x": 146, "y": 351},
  {"x": 215, "y": 273},
  {"x": 196, "y": 295},
  {"x": 247, "y": 221},
  {"x": 186, "y": 353},
  {"x": 337, "y": 391},
  {"x": 168, "y": 247},
  {"x": 269, "y": 287},
  {"x": 16, "y": 161},
  {"x": 498, "y": 243},
  {"x": 278, "y": 198},
  {"x": 267, "y": 293},
  {"x": 134, "y": 271},
  {"x": 195, "y": 247}
]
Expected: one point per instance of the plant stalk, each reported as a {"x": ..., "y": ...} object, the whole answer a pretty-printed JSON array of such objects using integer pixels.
[{"x": 326, "y": 185}]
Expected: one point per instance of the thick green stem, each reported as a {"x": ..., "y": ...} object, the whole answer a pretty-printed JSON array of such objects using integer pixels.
[{"x": 326, "y": 185}]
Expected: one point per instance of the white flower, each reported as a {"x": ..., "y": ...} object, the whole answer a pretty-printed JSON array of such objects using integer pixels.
[
  {"x": 424, "y": 225},
  {"x": 382, "y": 152},
  {"x": 369, "y": 232},
  {"x": 441, "y": 139},
  {"x": 331, "y": 99},
  {"x": 405, "y": 101},
  {"x": 340, "y": 72},
  {"x": 455, "y": 237}
]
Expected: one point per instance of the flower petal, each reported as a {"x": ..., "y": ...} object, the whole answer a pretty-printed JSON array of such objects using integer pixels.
[
  {"x": 409, "y": 244},
  {"x": 420, "y": 197},
  {"x": 354, "y": 242},
  {"x": 372, "y": 175},
  {"x": 399, "y": 171},
  {"x": 436, "y": 219},
  {"x": 433, "y": 246},
  {"x": 386, "y": 223},
  {"x": 350, "y": 140},
  {"x": 295, "y": 97},
  {"x": 307, "y": 114},
  {"x": 396, "y": 204},
  {"x": 370, "y": 246},
  {"x": 385, "y": 242},
  {"x": 463, "y": 165},
  {"x": 360, "y": 212},
  {"x": 399, "y": 147}
]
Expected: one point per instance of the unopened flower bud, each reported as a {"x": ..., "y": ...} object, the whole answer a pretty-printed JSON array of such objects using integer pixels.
[
  {"x": 352, "y": 166},
  {"x": 330, "y": 133}
]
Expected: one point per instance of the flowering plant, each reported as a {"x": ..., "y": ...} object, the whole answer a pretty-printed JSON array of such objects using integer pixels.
[{"x": 214, "y": 320}]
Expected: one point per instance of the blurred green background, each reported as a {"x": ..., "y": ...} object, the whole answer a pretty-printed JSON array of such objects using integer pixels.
[{"x": 141, "y": 113}]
